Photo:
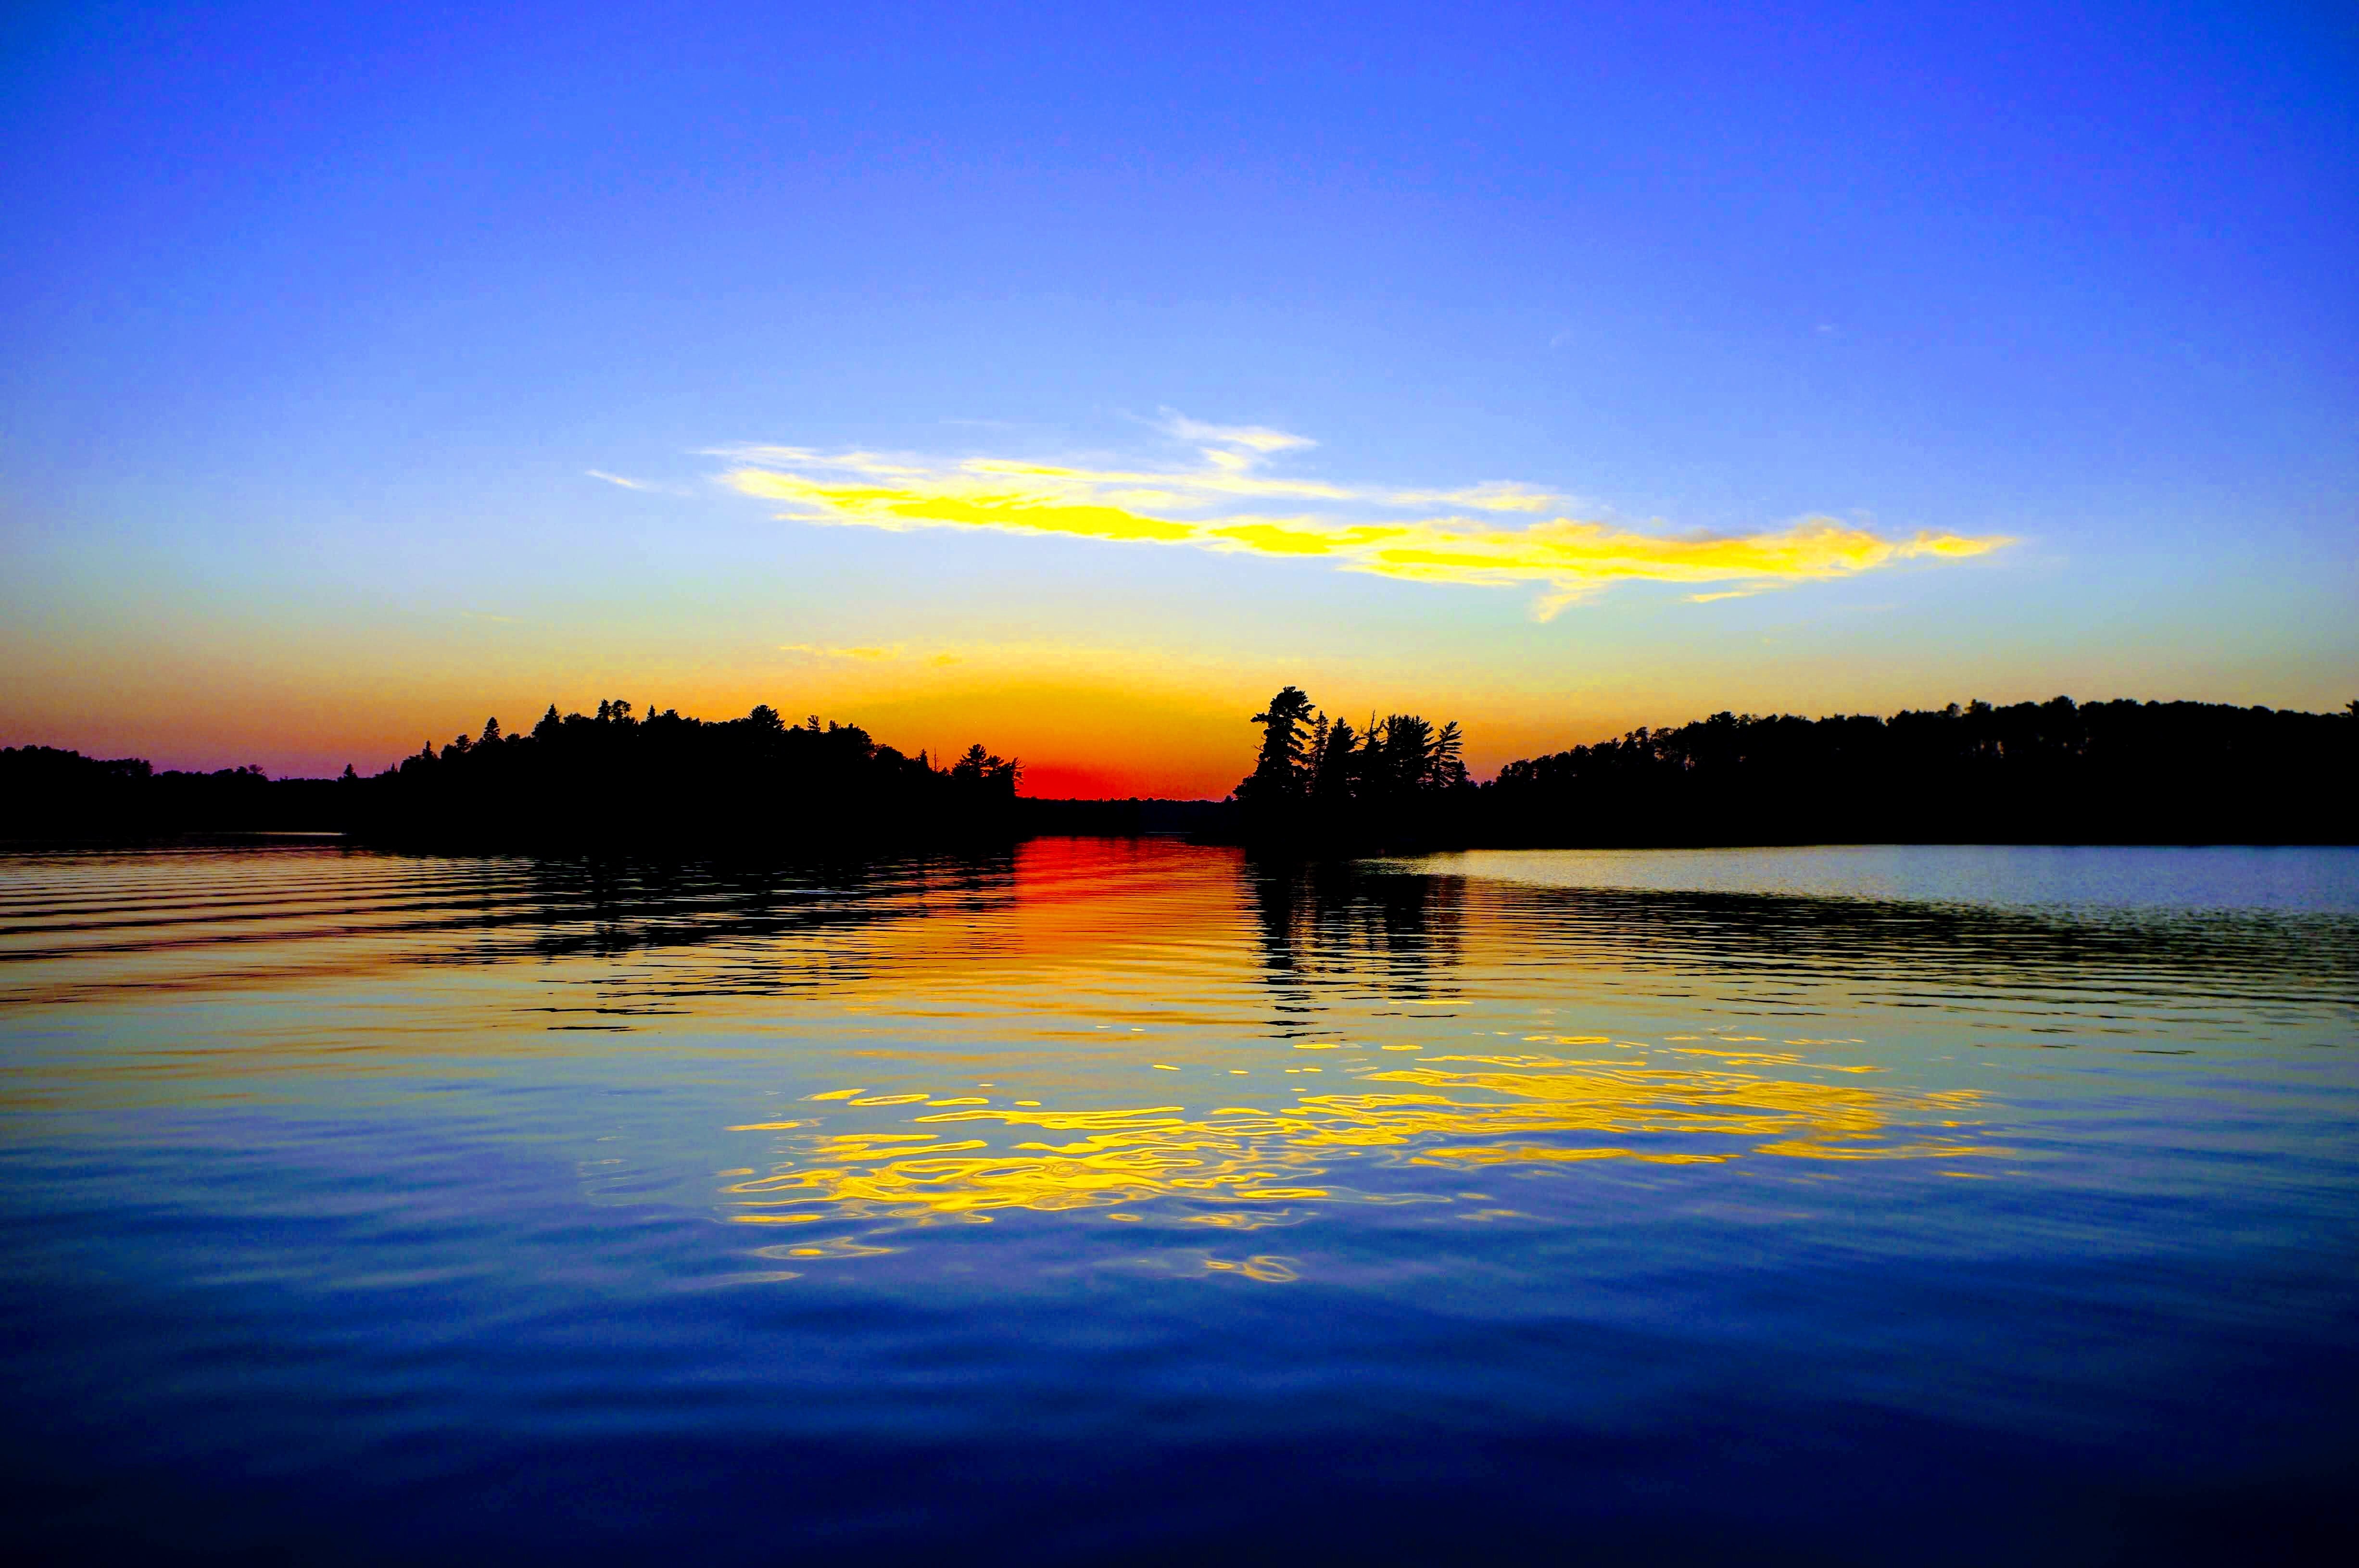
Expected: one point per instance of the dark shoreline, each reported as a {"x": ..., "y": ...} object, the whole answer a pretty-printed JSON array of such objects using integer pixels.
[
  {"x": 2053, "y": 772},
  {"x": 1051, "y": 825}
]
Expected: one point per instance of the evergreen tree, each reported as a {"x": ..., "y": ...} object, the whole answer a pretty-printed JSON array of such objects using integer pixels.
[{"x": 1280, "y": 772}]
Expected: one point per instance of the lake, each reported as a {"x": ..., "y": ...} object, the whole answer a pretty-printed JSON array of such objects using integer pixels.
[{"x": 1124, "y": 1199}]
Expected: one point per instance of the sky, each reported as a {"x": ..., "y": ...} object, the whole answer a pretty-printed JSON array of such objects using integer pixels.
[{"x": 1068, "y": 379}]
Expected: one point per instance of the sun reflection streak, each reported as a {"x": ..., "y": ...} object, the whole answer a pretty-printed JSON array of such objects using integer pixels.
[{"x": 1249, "y": 1167}]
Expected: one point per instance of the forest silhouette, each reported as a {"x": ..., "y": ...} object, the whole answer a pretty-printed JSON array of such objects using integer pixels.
[
  {"x": 2121, "y": 772},
  {"x": 617, "y": 777},
  {"x": 1318, "y": 782},
  {"x": 576, "y": 781},
  {"x": 2055, "y": 772}
]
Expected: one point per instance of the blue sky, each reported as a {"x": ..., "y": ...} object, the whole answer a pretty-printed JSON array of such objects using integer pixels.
[{"x": 318, "y": 321}]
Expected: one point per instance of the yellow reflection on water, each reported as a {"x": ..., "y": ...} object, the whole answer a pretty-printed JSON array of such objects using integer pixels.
[
  {"x": 1269, "y": 1271},
  {"x": 1233, "y": 1165}
]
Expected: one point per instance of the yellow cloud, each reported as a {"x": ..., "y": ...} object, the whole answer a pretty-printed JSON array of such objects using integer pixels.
[{"x": 1567, "y": 559}]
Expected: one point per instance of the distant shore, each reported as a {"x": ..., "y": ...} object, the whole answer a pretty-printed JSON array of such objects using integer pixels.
[{"x": 2053, "y": 772}]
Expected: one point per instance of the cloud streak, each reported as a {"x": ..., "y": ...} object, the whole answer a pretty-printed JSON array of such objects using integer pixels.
[{"x": 1227, "y": 503}]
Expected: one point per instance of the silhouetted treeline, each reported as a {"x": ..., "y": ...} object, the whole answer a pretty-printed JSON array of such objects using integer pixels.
[
  {"x": 2056, "y": 771},
  {"x": 1322, "y": 782},
  {"x": 576, "y": 781},
  {"x": 612, "y": 778},
  {"x": 50, "y": 794}
]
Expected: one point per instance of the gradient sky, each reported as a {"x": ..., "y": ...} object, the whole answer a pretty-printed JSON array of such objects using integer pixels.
[{"x": 1070, "y": 379}]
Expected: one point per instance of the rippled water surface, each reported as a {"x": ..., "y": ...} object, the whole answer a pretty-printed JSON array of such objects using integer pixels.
[{"x": 1126, "y": 1200}]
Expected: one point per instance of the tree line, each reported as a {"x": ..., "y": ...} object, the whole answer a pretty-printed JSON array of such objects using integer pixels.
[
  {"x": 2118, "y": 771},
  {"x": 617, "y": 776},
  {"x": 1320, "y": 781},
  {"x": 47, "y": 791},
  {"x": 576, "y": 780}
]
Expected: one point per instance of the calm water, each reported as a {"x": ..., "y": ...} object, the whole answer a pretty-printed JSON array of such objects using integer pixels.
[{"x": 1121, "y": 1200}]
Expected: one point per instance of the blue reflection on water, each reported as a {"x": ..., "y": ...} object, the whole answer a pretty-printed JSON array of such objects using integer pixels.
[{"x": 1126, "y": 1198}]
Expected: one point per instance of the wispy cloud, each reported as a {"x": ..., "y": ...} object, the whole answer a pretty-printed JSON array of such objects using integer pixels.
[
  {"x": 1253, "y": 438},
  {"x": 830, "y": 651},
  {"x": 1417, "y": 536},
  {"x": 618, "y": 479}
]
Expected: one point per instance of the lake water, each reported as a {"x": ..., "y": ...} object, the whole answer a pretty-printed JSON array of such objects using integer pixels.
[{"x": 1123, "y": 1200}]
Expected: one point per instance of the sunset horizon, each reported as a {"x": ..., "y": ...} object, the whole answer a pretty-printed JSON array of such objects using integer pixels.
[
  {"x": 1179, "y": 783},
  {"x": 373, "y": 375}
]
